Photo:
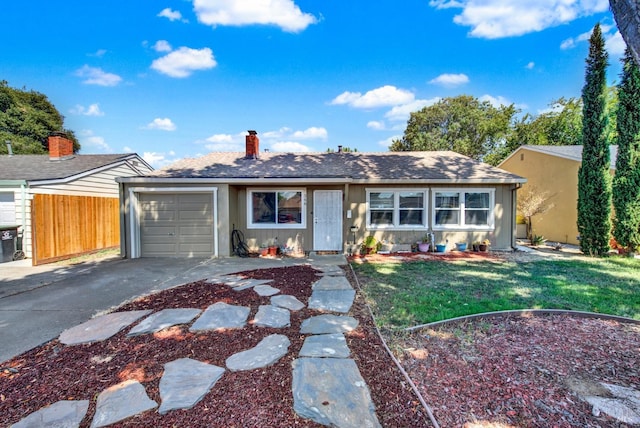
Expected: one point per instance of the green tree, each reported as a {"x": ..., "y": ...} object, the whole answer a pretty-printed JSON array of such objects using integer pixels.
[
  {"x": 462, "y": 124},
  {"x": 26, "y": 119},
  {"x": 626, "y": 182},
  {"x": 594, "y": 180}
]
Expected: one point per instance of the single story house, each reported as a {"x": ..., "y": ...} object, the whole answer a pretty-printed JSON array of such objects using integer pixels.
[
  {"x": 553, "y": 169},
  {"x": 314, "y": 202},
  {"x": 64, "y": 204}
]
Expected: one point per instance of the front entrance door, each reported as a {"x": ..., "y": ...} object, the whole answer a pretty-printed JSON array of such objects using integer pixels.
[{"x": 327, "y": 220}]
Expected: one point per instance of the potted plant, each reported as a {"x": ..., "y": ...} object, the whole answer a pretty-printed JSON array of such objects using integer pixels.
[
  {"x": 484, "y": 245},
  {"x": 370, "y": 245},
  {"x": 461, "y": 246},
  {"x": 441, "y": 248},
  {"x": 475, "y": 246},
  {"x": 425, "y": 244}
]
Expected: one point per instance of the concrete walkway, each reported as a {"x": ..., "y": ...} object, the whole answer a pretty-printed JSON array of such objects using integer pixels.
[{"x": 327, "y": 385}]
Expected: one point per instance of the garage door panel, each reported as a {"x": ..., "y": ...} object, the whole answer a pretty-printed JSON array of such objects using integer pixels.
[{"x": 176, "y": 225}]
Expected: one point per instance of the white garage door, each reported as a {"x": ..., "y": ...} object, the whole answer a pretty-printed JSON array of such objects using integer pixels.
[
  {"x": 7, "y": 209},
  {"x": 176, "y": 225}
]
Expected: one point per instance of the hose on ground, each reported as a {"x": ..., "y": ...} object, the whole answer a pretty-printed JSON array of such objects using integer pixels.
[{"x": 238, "y": 245}]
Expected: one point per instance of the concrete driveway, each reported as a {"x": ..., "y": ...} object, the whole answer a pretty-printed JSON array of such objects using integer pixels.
[{"x": 38, "y": 303}]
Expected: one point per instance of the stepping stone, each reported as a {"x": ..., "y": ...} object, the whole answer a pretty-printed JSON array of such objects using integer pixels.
[
  {"x": 327, "y": 324},
  {"x": 265, "y": 290},
  {"x": 60, "y": 414},
  {"x": 332, "y": 392},
  {"x": 184, "y": 383},
  {"x": 120, "y": 402},
  {"x": 267, "y": 352},
  {"x": 221, "y": 315},
  {"x": 332, "y": 300},
  {"x": 287, "y": 302},
  {"x": 325, "y": 346},
  {"x": 100, "y": 328},
  {"x": 272, "y": 316},
  {"x": 332, "y": 271},
  {"x": 163, "y": 319},
  {"x": 332, "y": 283}
]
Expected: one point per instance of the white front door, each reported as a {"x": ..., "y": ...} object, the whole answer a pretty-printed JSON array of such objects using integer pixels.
[{"x": 327, "y": 220}]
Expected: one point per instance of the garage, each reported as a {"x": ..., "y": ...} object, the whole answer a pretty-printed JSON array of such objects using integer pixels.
[{"x": 176, "y": 224}]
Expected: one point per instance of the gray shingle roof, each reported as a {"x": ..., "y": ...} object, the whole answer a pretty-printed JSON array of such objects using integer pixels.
[
  {"x": 40, "y": 167},
  {"x": 396, "y": 166},
  {"x": 572, "y": 152}
]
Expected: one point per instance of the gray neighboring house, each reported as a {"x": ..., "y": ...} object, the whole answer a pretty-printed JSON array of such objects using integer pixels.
[
  {"x": 315, "y": 202},
  {"x": 73, "y": 193}
]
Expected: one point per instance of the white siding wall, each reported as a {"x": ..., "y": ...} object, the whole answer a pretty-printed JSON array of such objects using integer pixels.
[{"x": 101, "y": 184}]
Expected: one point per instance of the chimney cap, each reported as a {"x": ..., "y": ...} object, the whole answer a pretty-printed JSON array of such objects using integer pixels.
[{"x": 252, "y": 132}]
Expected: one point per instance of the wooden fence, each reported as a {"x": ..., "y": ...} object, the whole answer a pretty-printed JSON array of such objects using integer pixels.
[{"x": 65, "y": 226}]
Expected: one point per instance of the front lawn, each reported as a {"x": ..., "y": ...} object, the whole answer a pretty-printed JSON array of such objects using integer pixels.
[{"x": 420, "y": 292}]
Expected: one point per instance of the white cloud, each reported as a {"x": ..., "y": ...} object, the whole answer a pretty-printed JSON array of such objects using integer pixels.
[
  {"x": 402, "y": 112},
  {"x": 311, "y": 133},
  {"x": 161, "y": 124},
  {"x": 184, "y": 61},
  {"x": 530, "y": 65},
  {"x": 380, "y": 97},
  {"x": 496, "y": 101},
  {"x": 99, "y": 53},
  {"x": 376, "y": 125},
  {"x": 158, "y": 160},
  {"x": 289, "y": 146},
  {"x": 92, "y": 110},
  {"x": 615, "y": 44},
  {"x": 282, "y": 13},
  {"x": 492, "y": 19},
  {"x": 93, "y": 143},
  {"x": 95, "y": 76},
  {"x": 387, "y": 142},
  {"x": 450, "y": 80},
  {"x": 127, "y": 149},
  {"x": 171, "y": 15},
  {"x": 162, "y": 46}
]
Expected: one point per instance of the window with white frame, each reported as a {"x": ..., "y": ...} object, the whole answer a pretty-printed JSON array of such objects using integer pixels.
[
  {"x": 463, "y": 209},
  {"x": 276, "y": 208},
  {"x": 396, "y": 208}
]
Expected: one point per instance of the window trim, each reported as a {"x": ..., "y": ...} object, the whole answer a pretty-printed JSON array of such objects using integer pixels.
[
  {"x": 301, "y": 225},
  {"x": 396, "y": 209},
  {"x": 461, "y": 195}
]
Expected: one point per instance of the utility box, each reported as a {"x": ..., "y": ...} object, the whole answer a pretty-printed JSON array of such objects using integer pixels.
[{"x": 8, "y": 238}]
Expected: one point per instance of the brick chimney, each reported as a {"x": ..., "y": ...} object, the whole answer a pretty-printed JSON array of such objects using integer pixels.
[
  {"x": 60, "y": 147},
  {"x": 253, "y": 145}
]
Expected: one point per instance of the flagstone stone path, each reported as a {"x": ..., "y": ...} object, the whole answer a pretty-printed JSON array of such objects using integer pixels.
[{"x": 327, "y": 386}]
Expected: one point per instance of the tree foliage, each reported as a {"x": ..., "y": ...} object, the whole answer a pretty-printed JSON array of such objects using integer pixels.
[
  {"x": 532, "y": 202},
  {"x": 626, "y": 182},
  {"x": 594, "y": 180},
  {"x": 26, "y": 119},
  {"x": 462, "y": 124}
]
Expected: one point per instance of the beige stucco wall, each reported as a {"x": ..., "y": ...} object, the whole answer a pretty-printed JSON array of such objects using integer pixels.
[{"x": 558, "y": 176}]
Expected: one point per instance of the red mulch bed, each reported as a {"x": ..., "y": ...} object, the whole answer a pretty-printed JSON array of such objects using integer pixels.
[
  {"x": 256, "y": 398},
  {"x": 518, "y": 371}
]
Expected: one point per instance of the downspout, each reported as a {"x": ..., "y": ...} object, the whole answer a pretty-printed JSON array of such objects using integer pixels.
[{"x": 514, "y": 210}]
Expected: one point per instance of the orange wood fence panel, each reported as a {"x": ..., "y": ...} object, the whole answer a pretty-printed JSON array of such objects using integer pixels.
[{"x": 64, "y": 226}]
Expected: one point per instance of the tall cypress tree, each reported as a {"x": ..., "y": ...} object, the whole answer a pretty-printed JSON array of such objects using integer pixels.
[
  {"x": 626, "y": 183},
  {"x": 594, "y": 180}
]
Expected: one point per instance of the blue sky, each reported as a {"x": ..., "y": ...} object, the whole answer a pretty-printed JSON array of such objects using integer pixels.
[{"x": 179, "y": 78}]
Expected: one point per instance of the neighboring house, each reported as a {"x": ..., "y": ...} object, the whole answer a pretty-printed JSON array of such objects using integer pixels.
[
  {"x": 317, "y": 201},
  {"x": 64, "y": 203},
  {"x": 553, "y": 169}
]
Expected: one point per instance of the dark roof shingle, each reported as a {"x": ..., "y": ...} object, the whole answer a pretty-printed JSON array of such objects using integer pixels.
[
  {"x": 40, "y": 167},
  {"x": 400, "y": 166}
]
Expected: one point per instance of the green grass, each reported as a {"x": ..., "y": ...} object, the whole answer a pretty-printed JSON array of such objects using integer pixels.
[{"x": 407, "y": 294}]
